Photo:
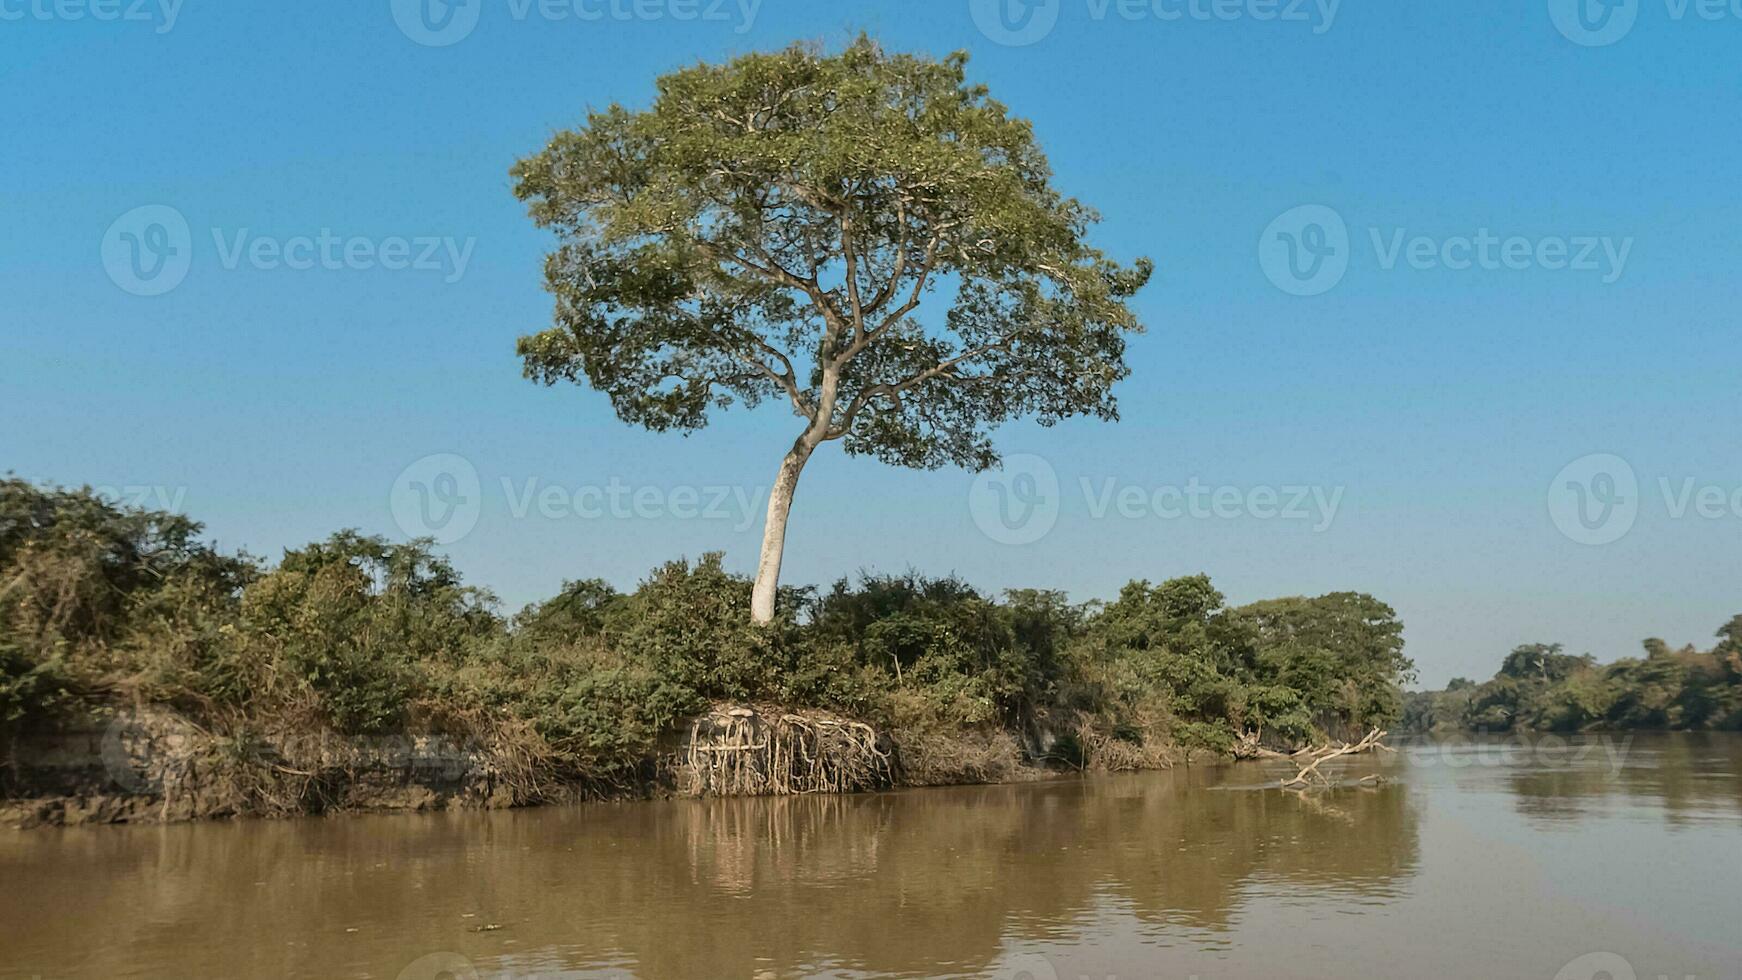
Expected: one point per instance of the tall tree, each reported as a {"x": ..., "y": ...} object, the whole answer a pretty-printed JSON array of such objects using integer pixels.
[{"x": 775, "y": 228}]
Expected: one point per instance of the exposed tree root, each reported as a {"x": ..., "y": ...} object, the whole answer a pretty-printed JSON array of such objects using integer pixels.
[{"x": 735, "y": 751}]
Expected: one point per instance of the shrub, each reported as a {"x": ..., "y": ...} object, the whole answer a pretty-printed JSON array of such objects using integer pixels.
[
  {"x": 352, "y": 619},
  {"x": 82, "y": 580},
  {"x": 691, "y": 625},
  {"x": 355, "y": 634}
]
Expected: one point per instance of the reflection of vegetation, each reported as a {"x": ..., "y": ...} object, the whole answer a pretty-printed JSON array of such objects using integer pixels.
[
  {"x": 104, "y": 606},
  {"x": 903, "y": 884},
  {"x": 1672, "y": 772},
  {"x": 1541, "y": 688}
]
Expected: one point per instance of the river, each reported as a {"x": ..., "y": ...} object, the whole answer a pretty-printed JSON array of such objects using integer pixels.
[{"x": 1605, "y": 857}]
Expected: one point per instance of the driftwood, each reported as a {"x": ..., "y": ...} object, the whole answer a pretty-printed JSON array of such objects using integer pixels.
[{"x": 1309, "y": 759}]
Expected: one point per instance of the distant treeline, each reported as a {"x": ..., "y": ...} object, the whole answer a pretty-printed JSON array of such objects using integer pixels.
[
  {"x": 103, "y": 607},
  {"x": 1541, "y": 688}
]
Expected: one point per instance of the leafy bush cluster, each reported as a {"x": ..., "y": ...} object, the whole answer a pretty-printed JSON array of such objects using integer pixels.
[
  {"x": 102, "y": 606},
  {"x": 1285, "y": 671},
  {"x": 1540, "y": 688}
]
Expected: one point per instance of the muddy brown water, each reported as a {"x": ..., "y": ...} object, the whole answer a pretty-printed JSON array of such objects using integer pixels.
[{"x": 1616, "y": 858}]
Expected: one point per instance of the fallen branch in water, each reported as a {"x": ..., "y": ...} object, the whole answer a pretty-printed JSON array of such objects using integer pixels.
[{"x": 1310, "y": 759}]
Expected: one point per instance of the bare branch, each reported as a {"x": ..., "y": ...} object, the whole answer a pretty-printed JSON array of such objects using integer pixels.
[
  {"x": 785, "y": 381},
  {"x": 896, "y": 273},
  {"x": 864, "y": 340},
  {"x": 893, "y": 391},
  {"x": 851, "y": 257}
]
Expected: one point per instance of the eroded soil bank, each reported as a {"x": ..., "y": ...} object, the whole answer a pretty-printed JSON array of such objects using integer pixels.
[{"x": 157, "y": 767}]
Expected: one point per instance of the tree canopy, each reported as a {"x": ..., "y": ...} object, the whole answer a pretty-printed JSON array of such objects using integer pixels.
[{"x": 772, "y": 228}]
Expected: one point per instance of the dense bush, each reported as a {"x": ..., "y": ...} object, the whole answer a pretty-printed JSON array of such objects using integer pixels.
[
  {"x": 1538, "y": 687},
  {"x": 88, "y": 589},
  {"x": 972, "y": 659},
  {"x": 354, "y": 620},
  {"x": 1286, "y": 670},
  {"x": 103, "y": 605}
]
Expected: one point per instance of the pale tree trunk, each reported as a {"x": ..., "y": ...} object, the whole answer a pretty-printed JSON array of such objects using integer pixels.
[
  {"x": 774, "y": 530},
  {"x": 780, "y": 497}
]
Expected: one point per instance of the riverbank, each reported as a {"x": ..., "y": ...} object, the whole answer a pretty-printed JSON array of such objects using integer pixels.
[
  {"x": 358, "y": 672},
  {"x": 1541, "y": 688},
  {"x": 156, "y": 767}
]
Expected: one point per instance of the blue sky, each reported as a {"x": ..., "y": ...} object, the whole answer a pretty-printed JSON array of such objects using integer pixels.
[{"x": 1436, "y": 403}]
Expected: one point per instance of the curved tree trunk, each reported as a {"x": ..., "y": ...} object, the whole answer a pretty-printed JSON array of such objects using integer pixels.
[{"x": 774, "y": 531}]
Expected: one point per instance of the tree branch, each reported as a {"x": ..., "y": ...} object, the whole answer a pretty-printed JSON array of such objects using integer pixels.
[
  {"x": 894, "y": 390},
  {"x": 863, "y": 340}
]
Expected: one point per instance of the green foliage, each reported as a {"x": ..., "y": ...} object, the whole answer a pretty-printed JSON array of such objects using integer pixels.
[
  {"x": 1285, "y": 670},
  {"x": 1215, "y": 737},
  {"x": 593, "y": 713},
  {"x": 1542, "y": 662},
  {"x": 32, "y": 686},
  {"x": 589, "y": 609},
  {"x": 83, "y": 582},
  {"x": 359, "y": 635},
  {"x": 1343, "y": 651},
  {"x": 768, "y": 228},
  {"x": 352, "y": 618},
  {"x": 1540, "y": 688},
  {"x": 1285, "y": 712},
  {"x": 969, "y": 659},
  {"x": 691, "y": 624}
]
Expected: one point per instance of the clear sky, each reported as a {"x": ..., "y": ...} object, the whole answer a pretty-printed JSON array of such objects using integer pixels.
[{"x": 1433, "y": 389}]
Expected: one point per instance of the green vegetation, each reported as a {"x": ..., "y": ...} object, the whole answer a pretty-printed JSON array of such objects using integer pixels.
[
  {"x": 1540, "y": 688},
  {"x": 103, "y": 607},
  {"x": 767, "y": 230}
]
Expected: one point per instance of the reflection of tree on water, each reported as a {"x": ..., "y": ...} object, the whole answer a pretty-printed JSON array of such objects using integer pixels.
[
  {"x": 1201, "y": 856},
  {"x": 1685, "y": 777},
  {"x": 936, "y": 880},
  {"x": 916, "y": 882}
]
